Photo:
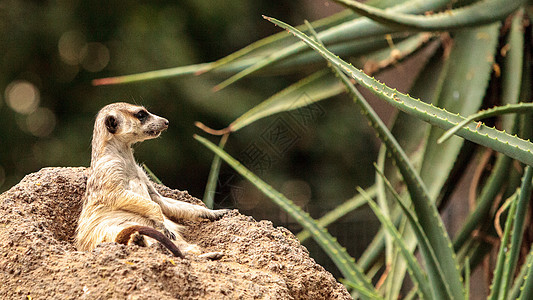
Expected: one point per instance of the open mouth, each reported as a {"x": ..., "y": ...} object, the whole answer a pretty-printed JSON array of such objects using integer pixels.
[{"x": 154, "y": 133}]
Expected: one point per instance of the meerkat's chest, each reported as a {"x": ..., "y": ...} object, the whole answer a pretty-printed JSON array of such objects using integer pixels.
[{"x": 139, "y": 187}]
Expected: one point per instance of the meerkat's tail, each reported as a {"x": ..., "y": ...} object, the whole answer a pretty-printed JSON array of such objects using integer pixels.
[{"x": 128, "y": 234}]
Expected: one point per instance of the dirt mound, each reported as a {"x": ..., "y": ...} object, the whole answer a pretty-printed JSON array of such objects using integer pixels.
[{"x": 38, "y": 259}]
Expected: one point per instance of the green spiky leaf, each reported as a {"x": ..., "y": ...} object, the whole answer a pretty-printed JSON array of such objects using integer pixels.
[
  {"x": 500, "y": 141},
  {"x": 328, "y": 243},
  {"x": 480, "y": 13}
]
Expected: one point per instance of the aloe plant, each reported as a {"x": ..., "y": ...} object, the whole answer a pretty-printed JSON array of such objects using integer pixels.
[{"x": 478, "y": 68}]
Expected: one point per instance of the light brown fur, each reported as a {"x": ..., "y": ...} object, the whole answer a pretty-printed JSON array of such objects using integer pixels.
[{"x": 119, "y": 193}]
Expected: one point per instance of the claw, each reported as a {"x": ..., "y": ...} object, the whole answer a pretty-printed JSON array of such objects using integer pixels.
[{"x": 169, "y": 234}]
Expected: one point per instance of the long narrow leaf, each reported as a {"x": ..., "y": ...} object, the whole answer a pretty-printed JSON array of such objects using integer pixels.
[
  {"x": 438, "y": 280},
  {"x": 211, "y": 186},
  {"x": 517, "y": 285},
  {"x": 302, "y": 60},
  {"x": 360, "y": 291},
  {"x": 527, "y": 289},
  {"x": 467, "y": 278},
  {"x": 328, "y": 243},
  {"x": 480, "y": 13},
  {"x": 415, "y": 270},
  {"x": 384, "y": 205},
  {"x": 518, "y": 231},
  {"x": 164, "y": 73},
  {"x": 502, "y": 253},
  {"x": 399, "y": 269}
]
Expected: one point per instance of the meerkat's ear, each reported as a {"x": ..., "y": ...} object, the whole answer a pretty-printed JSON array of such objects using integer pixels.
[{"x": 111, "y": 123}]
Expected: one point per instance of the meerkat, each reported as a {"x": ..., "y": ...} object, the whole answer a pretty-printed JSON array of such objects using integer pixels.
[{"x": 121, "y": 204}]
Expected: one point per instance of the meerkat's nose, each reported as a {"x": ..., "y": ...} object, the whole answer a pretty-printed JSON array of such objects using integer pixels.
[{"x": 166, "y": 122}]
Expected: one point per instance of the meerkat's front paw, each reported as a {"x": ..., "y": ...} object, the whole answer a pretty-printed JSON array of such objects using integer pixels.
[
  {"x": 212, "y": 255},
  {"x": 189, "y": 249},
  {"x": 193, "y": 249},
  {"x": 214, "y": 214}
]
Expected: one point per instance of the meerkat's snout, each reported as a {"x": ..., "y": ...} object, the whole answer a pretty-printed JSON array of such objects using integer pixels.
[
  {"x": 155, "y": 128},
  {"x": 151, "y": 124}
]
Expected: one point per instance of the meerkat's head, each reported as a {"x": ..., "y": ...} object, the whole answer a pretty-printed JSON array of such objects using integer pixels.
[{"x": 127, "y": 123}]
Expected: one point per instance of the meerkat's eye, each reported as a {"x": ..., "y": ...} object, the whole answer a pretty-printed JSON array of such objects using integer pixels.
[{"x": 142, "y": 115}]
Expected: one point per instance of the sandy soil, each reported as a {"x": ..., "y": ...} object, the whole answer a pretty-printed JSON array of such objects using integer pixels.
[{"x": 38, "y": 259}]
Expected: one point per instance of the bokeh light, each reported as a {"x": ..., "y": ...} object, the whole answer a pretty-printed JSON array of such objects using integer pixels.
[
  {"x": 298, "y": 191},
  {"x": 70, "y": 47},
  {"x": 22, "y": 96},
  {"x": 246, "y": 195},
  {"x": 96, "y": 57},
  {"x": 41, "y": 122}
]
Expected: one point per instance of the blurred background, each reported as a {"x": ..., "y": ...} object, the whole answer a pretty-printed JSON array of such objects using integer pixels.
[{"x": 51, "y": 50}]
